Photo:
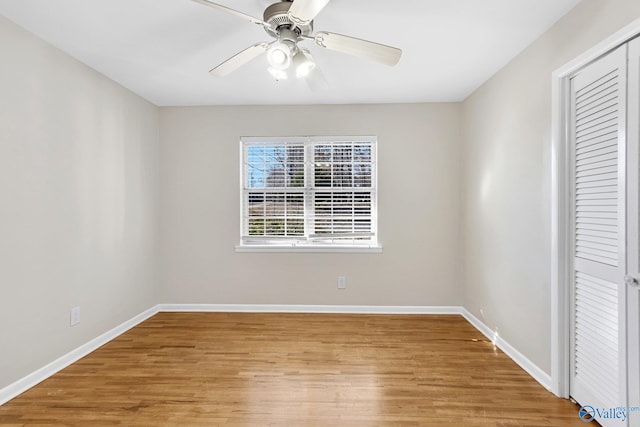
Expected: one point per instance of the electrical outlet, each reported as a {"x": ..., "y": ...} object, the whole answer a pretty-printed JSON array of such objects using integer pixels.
[
  {"x": 74, "y": 317},
  {"x": 342, "y": 282}
]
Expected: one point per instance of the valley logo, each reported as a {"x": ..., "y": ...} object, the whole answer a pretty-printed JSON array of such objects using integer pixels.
[{"x": 588, "y": 413}]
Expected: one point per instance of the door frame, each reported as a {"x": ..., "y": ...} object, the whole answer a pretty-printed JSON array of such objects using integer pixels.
[{"x": 560, "y": 208}]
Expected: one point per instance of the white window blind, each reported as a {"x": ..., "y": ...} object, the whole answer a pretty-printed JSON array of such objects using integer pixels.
[{"x": 309, "y": 191}]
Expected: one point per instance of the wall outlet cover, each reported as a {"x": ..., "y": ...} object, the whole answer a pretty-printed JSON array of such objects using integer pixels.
[{"x": 74, "y": 317}]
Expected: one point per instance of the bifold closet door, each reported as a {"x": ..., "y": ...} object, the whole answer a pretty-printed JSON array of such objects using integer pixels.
[
  {"x": 633, "y": 227},
  {"x": 597, "y": 128}
]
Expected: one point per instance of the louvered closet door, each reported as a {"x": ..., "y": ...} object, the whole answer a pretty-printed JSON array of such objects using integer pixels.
[
  {"x": 633, "y": 227},
  {"x": 597, "y": 127}
]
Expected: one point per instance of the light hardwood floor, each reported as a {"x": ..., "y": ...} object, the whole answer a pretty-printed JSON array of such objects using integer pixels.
[{"x": 204, "y": 369}]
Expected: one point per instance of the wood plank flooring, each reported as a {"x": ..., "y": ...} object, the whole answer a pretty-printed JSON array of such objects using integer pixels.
[{"x": 207, "y": 369}]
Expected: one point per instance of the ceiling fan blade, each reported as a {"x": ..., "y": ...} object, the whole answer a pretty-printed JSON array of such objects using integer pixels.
[
  {"x": 239, "y": 59},
  {"x": 233, "y": 12},
  {"x": 357, "y": 47},
  {"x": 303, "y": 11}
]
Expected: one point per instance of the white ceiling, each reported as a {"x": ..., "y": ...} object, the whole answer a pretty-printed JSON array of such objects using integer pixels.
[{"x": 163, "y": 49}]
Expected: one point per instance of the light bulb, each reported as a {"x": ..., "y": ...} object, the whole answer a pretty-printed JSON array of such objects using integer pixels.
[
  {"x": 303, "y": 63},
  {"x": 278, "y": 74},
  {"x": 305, "y": 69},
  {"x": 279, "y": 56}
]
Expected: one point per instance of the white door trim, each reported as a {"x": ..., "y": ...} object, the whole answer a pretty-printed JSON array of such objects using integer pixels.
[{"x": 560, "y": 228}]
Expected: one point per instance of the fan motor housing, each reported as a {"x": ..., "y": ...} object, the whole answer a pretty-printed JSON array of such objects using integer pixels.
[{"x": 277, "y": 15}]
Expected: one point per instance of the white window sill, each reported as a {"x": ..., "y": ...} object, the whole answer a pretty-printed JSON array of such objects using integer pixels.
[{"x": 309, "y": 249}]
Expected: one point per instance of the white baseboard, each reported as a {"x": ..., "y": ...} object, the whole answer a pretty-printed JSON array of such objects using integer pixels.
[
  {"x": 25, "y": 383},
  {"x": 43, "y": 373},
  {"x": 336, "y": 309},
  {"x": 531, "y": 368}
]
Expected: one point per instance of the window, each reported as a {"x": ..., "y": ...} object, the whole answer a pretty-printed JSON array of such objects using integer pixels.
[{"x": 309, "y": 192}]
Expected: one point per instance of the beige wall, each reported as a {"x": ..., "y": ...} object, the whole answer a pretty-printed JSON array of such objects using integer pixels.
[
  {"x": 78, "y": 203},
  {"x": 418, "y": 157},
  {"x": 506, "y": 180}
]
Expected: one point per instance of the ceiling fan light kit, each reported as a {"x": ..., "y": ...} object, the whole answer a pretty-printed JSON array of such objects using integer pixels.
[{"x": 290, "y": 22}]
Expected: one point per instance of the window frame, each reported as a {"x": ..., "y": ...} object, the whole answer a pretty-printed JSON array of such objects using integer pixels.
[{"x": 305, "y": 244}]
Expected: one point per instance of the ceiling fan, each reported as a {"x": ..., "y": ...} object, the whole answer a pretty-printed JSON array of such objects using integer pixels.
[{"x": 290, "y": 22}]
